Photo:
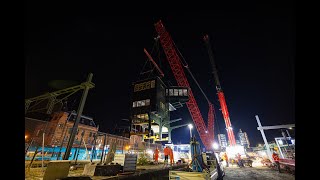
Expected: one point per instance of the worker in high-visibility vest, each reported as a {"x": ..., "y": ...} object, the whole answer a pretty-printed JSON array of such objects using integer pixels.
[
  {"x": 225, "y": 157},
  {"x": 171, "y": 156},
  {"x": 156, "y": 155},
  {"x": 276, "y": 159},
  {"x": 166, "y": 153}
]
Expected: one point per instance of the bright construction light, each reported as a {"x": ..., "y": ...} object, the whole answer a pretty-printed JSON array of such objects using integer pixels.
[
  {"x": 215, "y": 145},
  {"x": 149, "y": 151},
  {"x": 25, "y": 137},
  {"x": 280, "y": 142},
  {"x": 290, "y": 127},
  {"x": 190, "y": 126},
  {"x": 206, "y": 131}
]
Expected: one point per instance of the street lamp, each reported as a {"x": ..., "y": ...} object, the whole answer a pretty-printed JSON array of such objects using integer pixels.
[{"x": 190, "y": 127}]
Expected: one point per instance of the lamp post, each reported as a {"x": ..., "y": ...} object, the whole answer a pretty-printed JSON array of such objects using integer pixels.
[{"x": 190, "y": 127}]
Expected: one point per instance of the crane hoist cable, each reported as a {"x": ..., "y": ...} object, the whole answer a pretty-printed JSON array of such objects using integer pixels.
[
  {"x": 185, "y": 64},
  {"x": 141, "y": 72}
]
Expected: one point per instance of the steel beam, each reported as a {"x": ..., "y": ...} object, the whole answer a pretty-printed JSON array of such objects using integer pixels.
[
  {"x": 264, "y": 139},
  {"x": 79, "y": 113},
  {"x": 287, "y": 126}
]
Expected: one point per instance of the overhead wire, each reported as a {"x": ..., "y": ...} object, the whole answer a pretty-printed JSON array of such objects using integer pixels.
[
  {"x": 144, "y": 66},
  {"x": 185, "y": 64}
]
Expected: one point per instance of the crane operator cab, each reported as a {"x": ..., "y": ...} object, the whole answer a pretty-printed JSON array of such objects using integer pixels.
[{"x": 214, "y": 164}]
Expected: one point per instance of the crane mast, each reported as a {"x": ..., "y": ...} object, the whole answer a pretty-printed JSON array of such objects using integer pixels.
[
  {"x": 176, "y": 67},
  {"x": 220, "y": 93}
]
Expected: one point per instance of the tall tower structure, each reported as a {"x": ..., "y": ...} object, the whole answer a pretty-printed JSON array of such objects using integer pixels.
[
  {"x": 243, "y": 138},
  {"x": 222, "y": 139}
]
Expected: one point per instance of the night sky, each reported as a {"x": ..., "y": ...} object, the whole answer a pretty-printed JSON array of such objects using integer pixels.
[{"x": 253, "y": 45}]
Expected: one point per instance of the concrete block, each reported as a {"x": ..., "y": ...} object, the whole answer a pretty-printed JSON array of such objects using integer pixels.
[{"x": 57, "y": 170}]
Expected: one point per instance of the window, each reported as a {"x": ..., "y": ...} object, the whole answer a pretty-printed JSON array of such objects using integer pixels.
[
  {"x": 148, "y": 84},
  {"x": 167, "y": 92},
  {"x": 143, "y": 102},
  {"x": 139, "y": 103},
  {"x": 185, "y": 92},
  {"x": 175, "y": 92},
  {"x": 180, "y": 92},
  {"x": 170, "y": 92},
  {"x": 134, "y": 104},
  {"x": 147, "y": 102},
  {"x": 153, "y": 83}
]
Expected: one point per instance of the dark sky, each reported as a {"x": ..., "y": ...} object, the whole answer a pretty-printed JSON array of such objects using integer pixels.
[{"x": 253, "y": 45}]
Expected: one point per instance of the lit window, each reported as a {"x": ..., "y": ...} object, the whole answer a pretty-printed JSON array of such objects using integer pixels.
[
  {"x": 171, "y": 92},
  {"x": 143, "y": 102},
  {"x": 185, "y": 92},
  {"x": 134, "y": 104},
  {"x": 147, "y": 102},
  {"x": 175, "y": 92},
  {"x": 148, "y": 84},
  {"x": 153, "y": 83},
  {"x": 139, "y": 104},
  {"x": 135, "y": 88},
  {"x": 180, "y": 92}
]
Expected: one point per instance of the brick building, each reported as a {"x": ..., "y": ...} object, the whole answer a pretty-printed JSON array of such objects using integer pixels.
[{"x": 58, "y": 130}]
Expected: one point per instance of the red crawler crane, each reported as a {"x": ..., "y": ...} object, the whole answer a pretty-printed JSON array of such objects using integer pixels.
[
  {"x": 166, "y": 41},
  {"x": 222, "y": 100}
]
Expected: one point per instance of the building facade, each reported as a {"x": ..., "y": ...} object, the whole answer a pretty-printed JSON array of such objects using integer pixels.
[
  {"x": 222, "y": 140},
  {"x": 243, "y": 138},
  {"x": 58, "y": 130}
]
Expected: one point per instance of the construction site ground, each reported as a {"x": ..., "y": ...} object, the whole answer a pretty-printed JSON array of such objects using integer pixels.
[
  {"x": 257, "y": 172},
  {"x": 233, "y": 172}
]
